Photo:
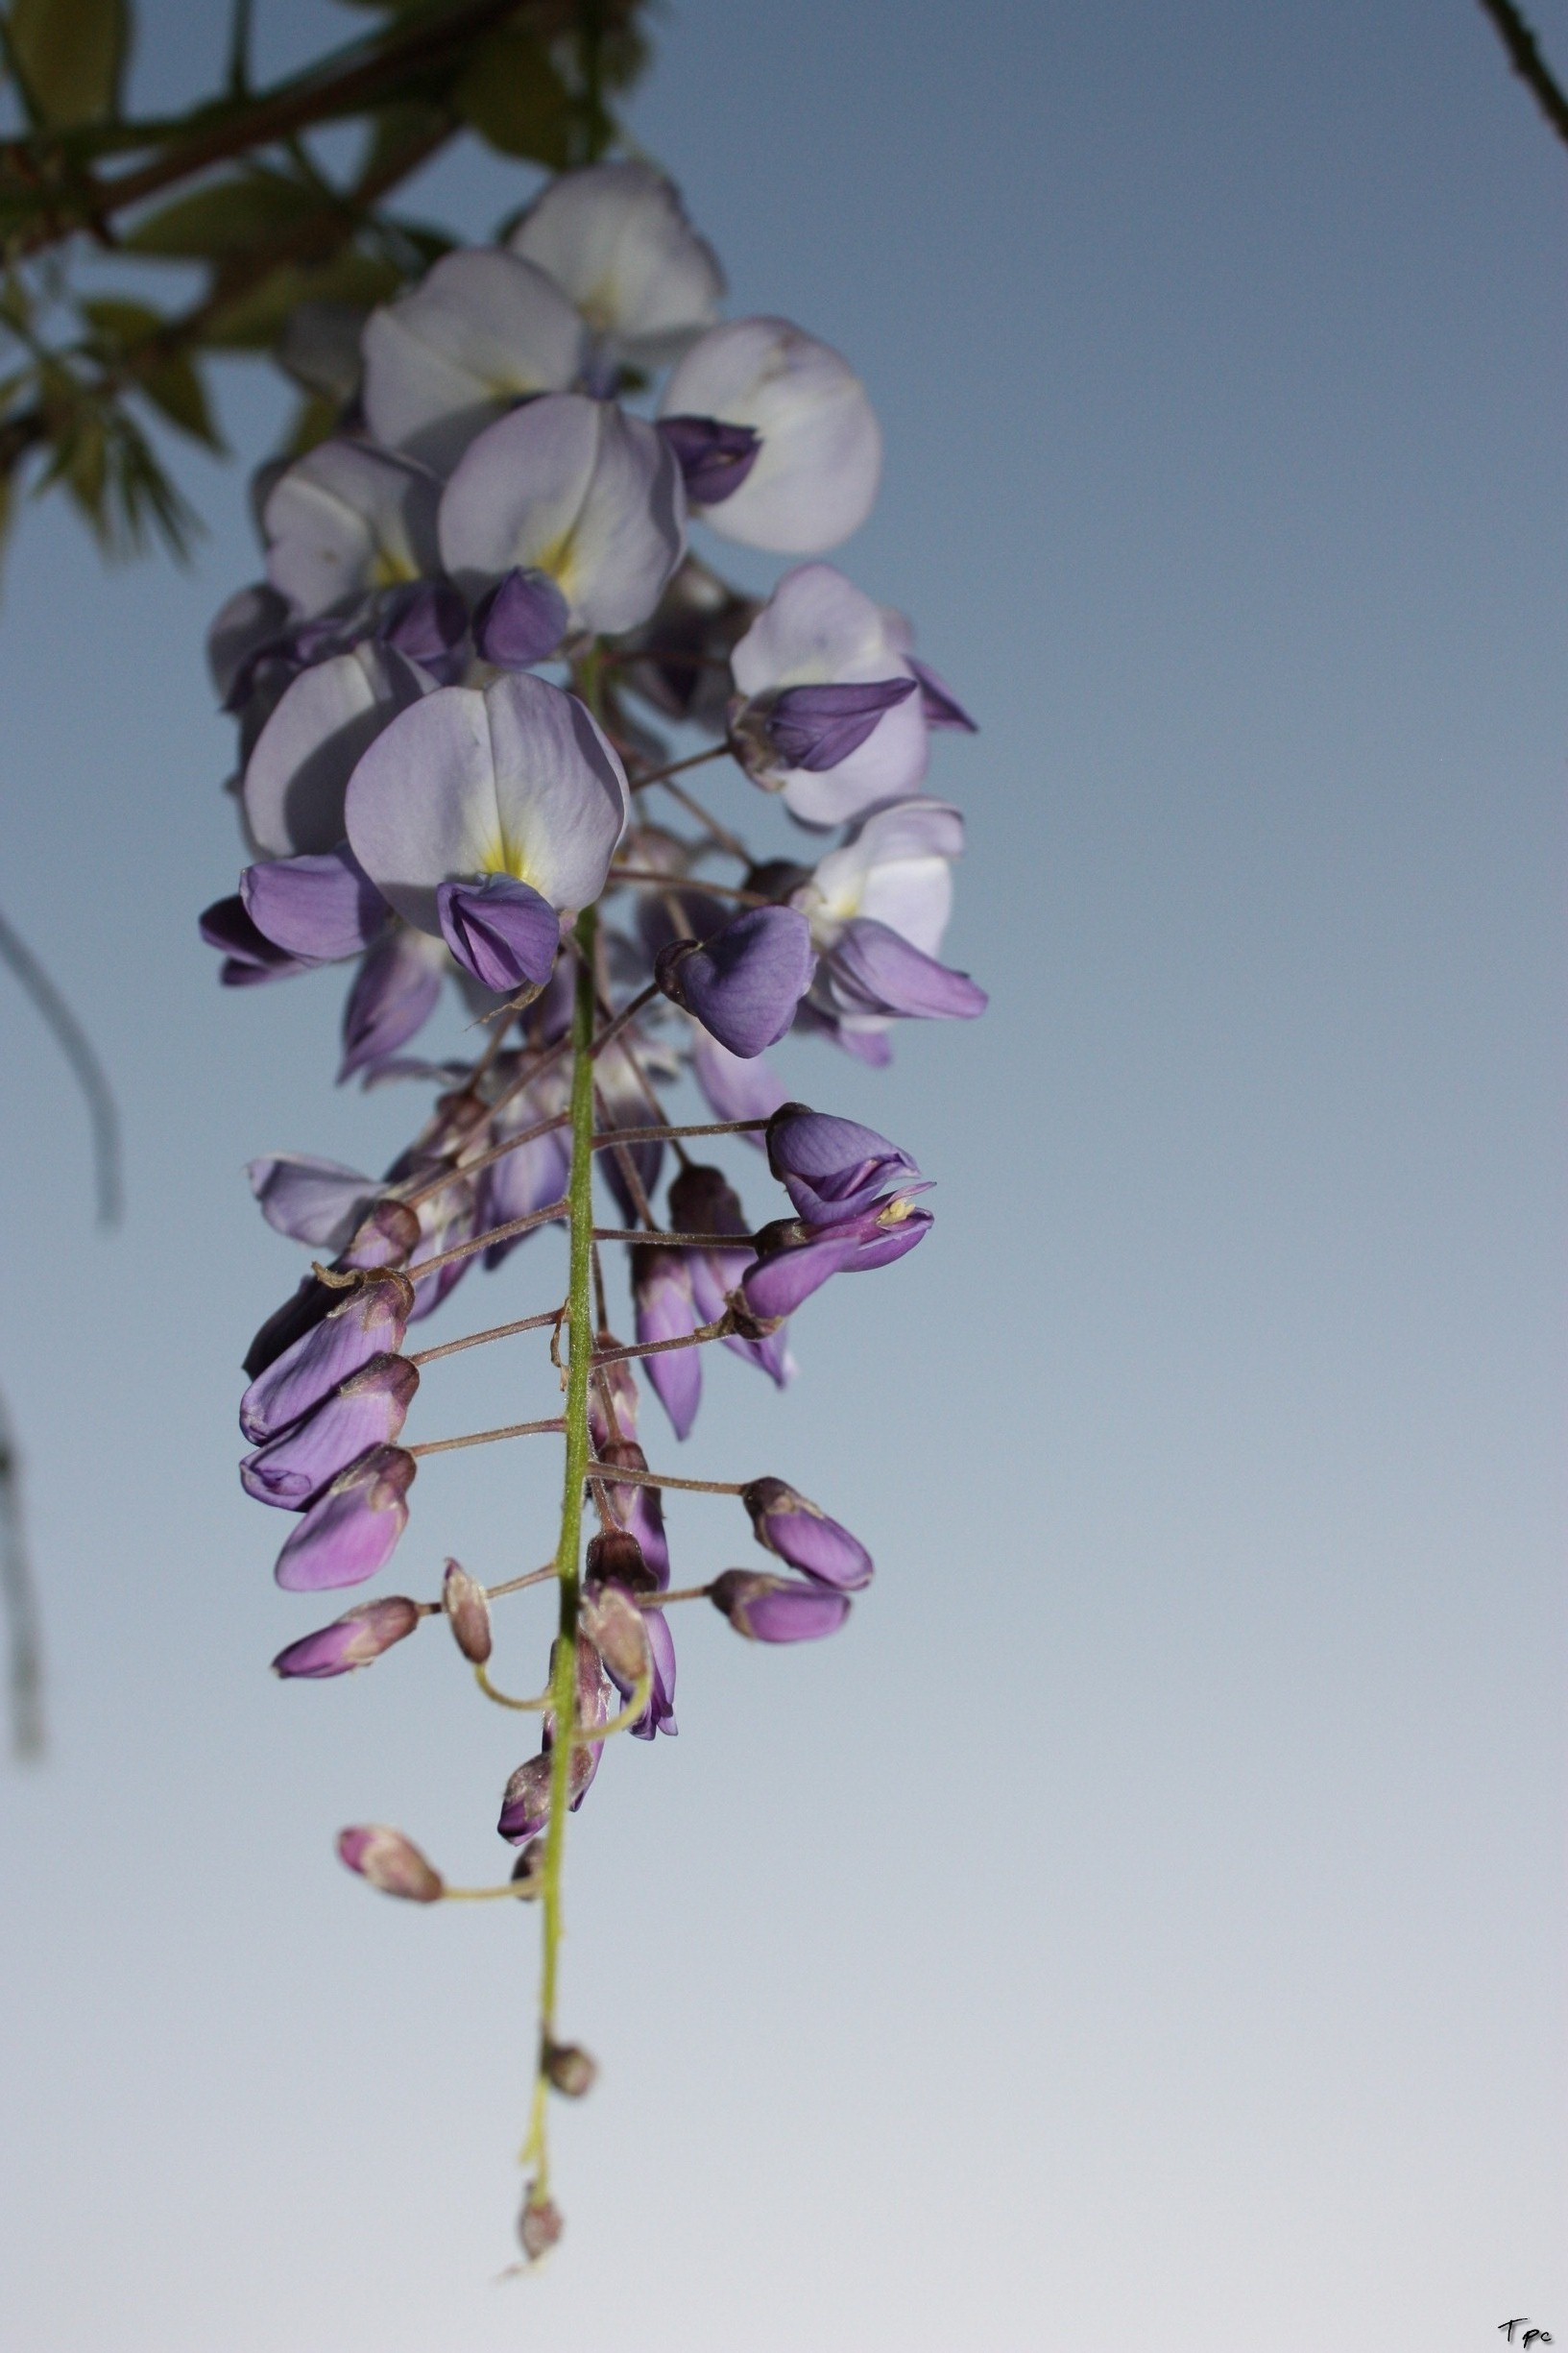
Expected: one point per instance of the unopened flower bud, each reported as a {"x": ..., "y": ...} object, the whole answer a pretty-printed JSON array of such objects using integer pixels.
[
  {"x": 529, "y": 1871},
  {"x": 569, "y": 2068},
  {"x": 352, "y": 1640},
  {"x": 801, "y": 1532},
  {"x": 776, "y": 1609},
  {"x": 539, "y": 2227},
  {"x": 353, "y": 1528},
  {"x": 615, "y": 1557},
  {"x": 743, "y": 983},
  {"x": 391, "y": 1862},
  {"x": 467, "y": 1612},
  {"x": 616, "y": 1626}
]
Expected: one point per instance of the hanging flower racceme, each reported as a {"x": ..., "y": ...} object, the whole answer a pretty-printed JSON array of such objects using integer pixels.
[{"x": 619, "y": 861}]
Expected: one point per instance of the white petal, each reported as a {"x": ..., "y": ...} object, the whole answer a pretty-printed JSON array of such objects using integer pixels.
[
  {"x": 815, "y": 477},
  {"x": 574, "y": 488},
  {"x": 480, "y": 332},
  {"x": 515, "y": 779},
  {"x": 346, "y": 518},
  {"x": 327, "y": 718},
  {"x": 615, "y": 238}
]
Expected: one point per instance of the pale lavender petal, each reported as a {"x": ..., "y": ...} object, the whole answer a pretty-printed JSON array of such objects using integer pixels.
[
  {"x": 320, "y": 907},
  {"x": 801, "y": 1532},
  {"x": 317, "y": 1201},
  {"x": 816, "y": 474},
  {"x": 516, "y": 780},
  {"x": 661, "y": 1289},
  {"x": 347, "y": 518},
  {"x": 252, "y": 619},
  {"x": 939, "y": 706},
  {"x": 481, "y": 331},
  {"x": 393, "y": 994},
  {"x": 615, "y": 238},
  {"x": 353, "y": 1529},
  {"x": 871, "y": 969},
  {"x": 298, "y": 774},
  {"x": 735, "y": 1087}
]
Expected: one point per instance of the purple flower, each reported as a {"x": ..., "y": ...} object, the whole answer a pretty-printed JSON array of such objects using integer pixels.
[
  {"x": 816, "y": 474},
  {"x": 830, "y": 710},
  {"x": 939, "y": 706},
  {"x": 616, "y": 239},
  {"x": 515, "y": 779},
  {"x": 369, "y": 1320},
  {"x": 499, "y": 930},
  {"x": 391, "y": 1862},
  {"x": 428, "y": 623},
  {"x": 575, "y": 488},
  {"x": 776, "y": 1609},
  {"x": 393, "y": 994},
  {"x": 702, "y": 1201},
  {"x": 714, "y": 459},
  {"x": 871, "y": 969},
  {"x": 794, "y": 1259},
  {"x": 317, "y": 1201},
  {"x": 520, "y": 620},
  {"x": 320, "y": 907},
  {"x": 831, "y": 1169},
  {"x": 744, "y": 982},
  {"x": 367, "y": 1410},
  {"x": 249, "y": 956},
  {"x": 801, "y": 1532},
  {"x": 661, "y": 1289},
  {"x": 353, "y": 1530},
  {"x": 352, "y": 1640},
  {"x": 525, "y": 1806},
  {"x": 480, "y": 330},
  {"x": 297, "y": 776}
]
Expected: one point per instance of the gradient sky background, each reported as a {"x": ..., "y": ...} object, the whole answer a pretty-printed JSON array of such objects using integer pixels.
[{"x": 1144, "y": 1925}]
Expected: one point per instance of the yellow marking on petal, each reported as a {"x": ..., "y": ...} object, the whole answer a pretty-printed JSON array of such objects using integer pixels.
[{"x": 389, "y": 569}]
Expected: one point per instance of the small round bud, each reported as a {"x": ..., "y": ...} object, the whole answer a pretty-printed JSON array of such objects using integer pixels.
[
  {"x": 539, "y": 2227},
  {"x": 615, "y": 1556},
  {"x": 391, "y": 1862},
  {"x": 569, "y": 2068},
  {"x": 467, "y": 1612},
  {"x": 615, "y": 1628}
]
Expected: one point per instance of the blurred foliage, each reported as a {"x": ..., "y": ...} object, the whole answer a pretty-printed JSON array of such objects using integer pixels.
[{"x": 233, "y": 189}]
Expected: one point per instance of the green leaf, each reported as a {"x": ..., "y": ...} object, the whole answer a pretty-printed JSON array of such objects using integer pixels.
[
  {"x": 254, "y": 321},
  {"x": 513, "y": 95},
  {"x": 229, "y": 218},
  {"x": 71, "y": 54},
  {"x": 176, "y": 388}
]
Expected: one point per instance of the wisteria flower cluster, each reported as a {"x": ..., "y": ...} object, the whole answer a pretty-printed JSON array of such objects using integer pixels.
[{"x": 480, "y": 606}]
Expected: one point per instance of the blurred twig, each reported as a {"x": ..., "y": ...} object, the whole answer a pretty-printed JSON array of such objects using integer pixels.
[
  {"x": 24, "y": 1676},
  {"x": 1525, "y": 58},
  {"x": 77, "y": 1048}
]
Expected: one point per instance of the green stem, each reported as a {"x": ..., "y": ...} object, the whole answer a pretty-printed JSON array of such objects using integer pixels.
[{"x": 563, "y": 1680}]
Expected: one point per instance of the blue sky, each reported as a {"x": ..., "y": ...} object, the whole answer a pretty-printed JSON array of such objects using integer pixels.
[{"x": 1143, "y": 1925}]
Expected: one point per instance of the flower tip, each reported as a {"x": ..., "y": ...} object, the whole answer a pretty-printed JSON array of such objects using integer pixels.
[{"x": 391, "y": 1862}]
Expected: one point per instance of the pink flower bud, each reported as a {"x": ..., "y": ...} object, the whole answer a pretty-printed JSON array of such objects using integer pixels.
[
  {"x": 391, "y": 1862},
  {"x": 352, "y": 1640}
]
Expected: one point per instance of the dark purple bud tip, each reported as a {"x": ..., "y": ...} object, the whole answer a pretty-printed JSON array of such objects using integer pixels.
[
  {"x": 816, "y": 727},
  {"x": 467, "y": 1612},
  {"x": 428, "y": 622},
  {"x": 743, "y": 983},
  {"x": 714, "y": 458},
  {"x": 522, "y": 620},
  {"x": 529, "y": 1871},
  {"x": 539, "y": 2227},
  {"x": 249, "y": 956},
  {"x": 801, "y": 1532},
  {"x": 831, "y": 1169},
  {"x": 616, "y": 1556},
  {"x": 391, "y": 1862},
  {"x": 568, "y": 2069},
  {"x": 320, "y": 908},
  {"x": 525, "y": 1804},
  {"x": 776, "y": 1609},
  {"x": 350, "y": 1641},
  {"x": 501, "y": 931}
]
